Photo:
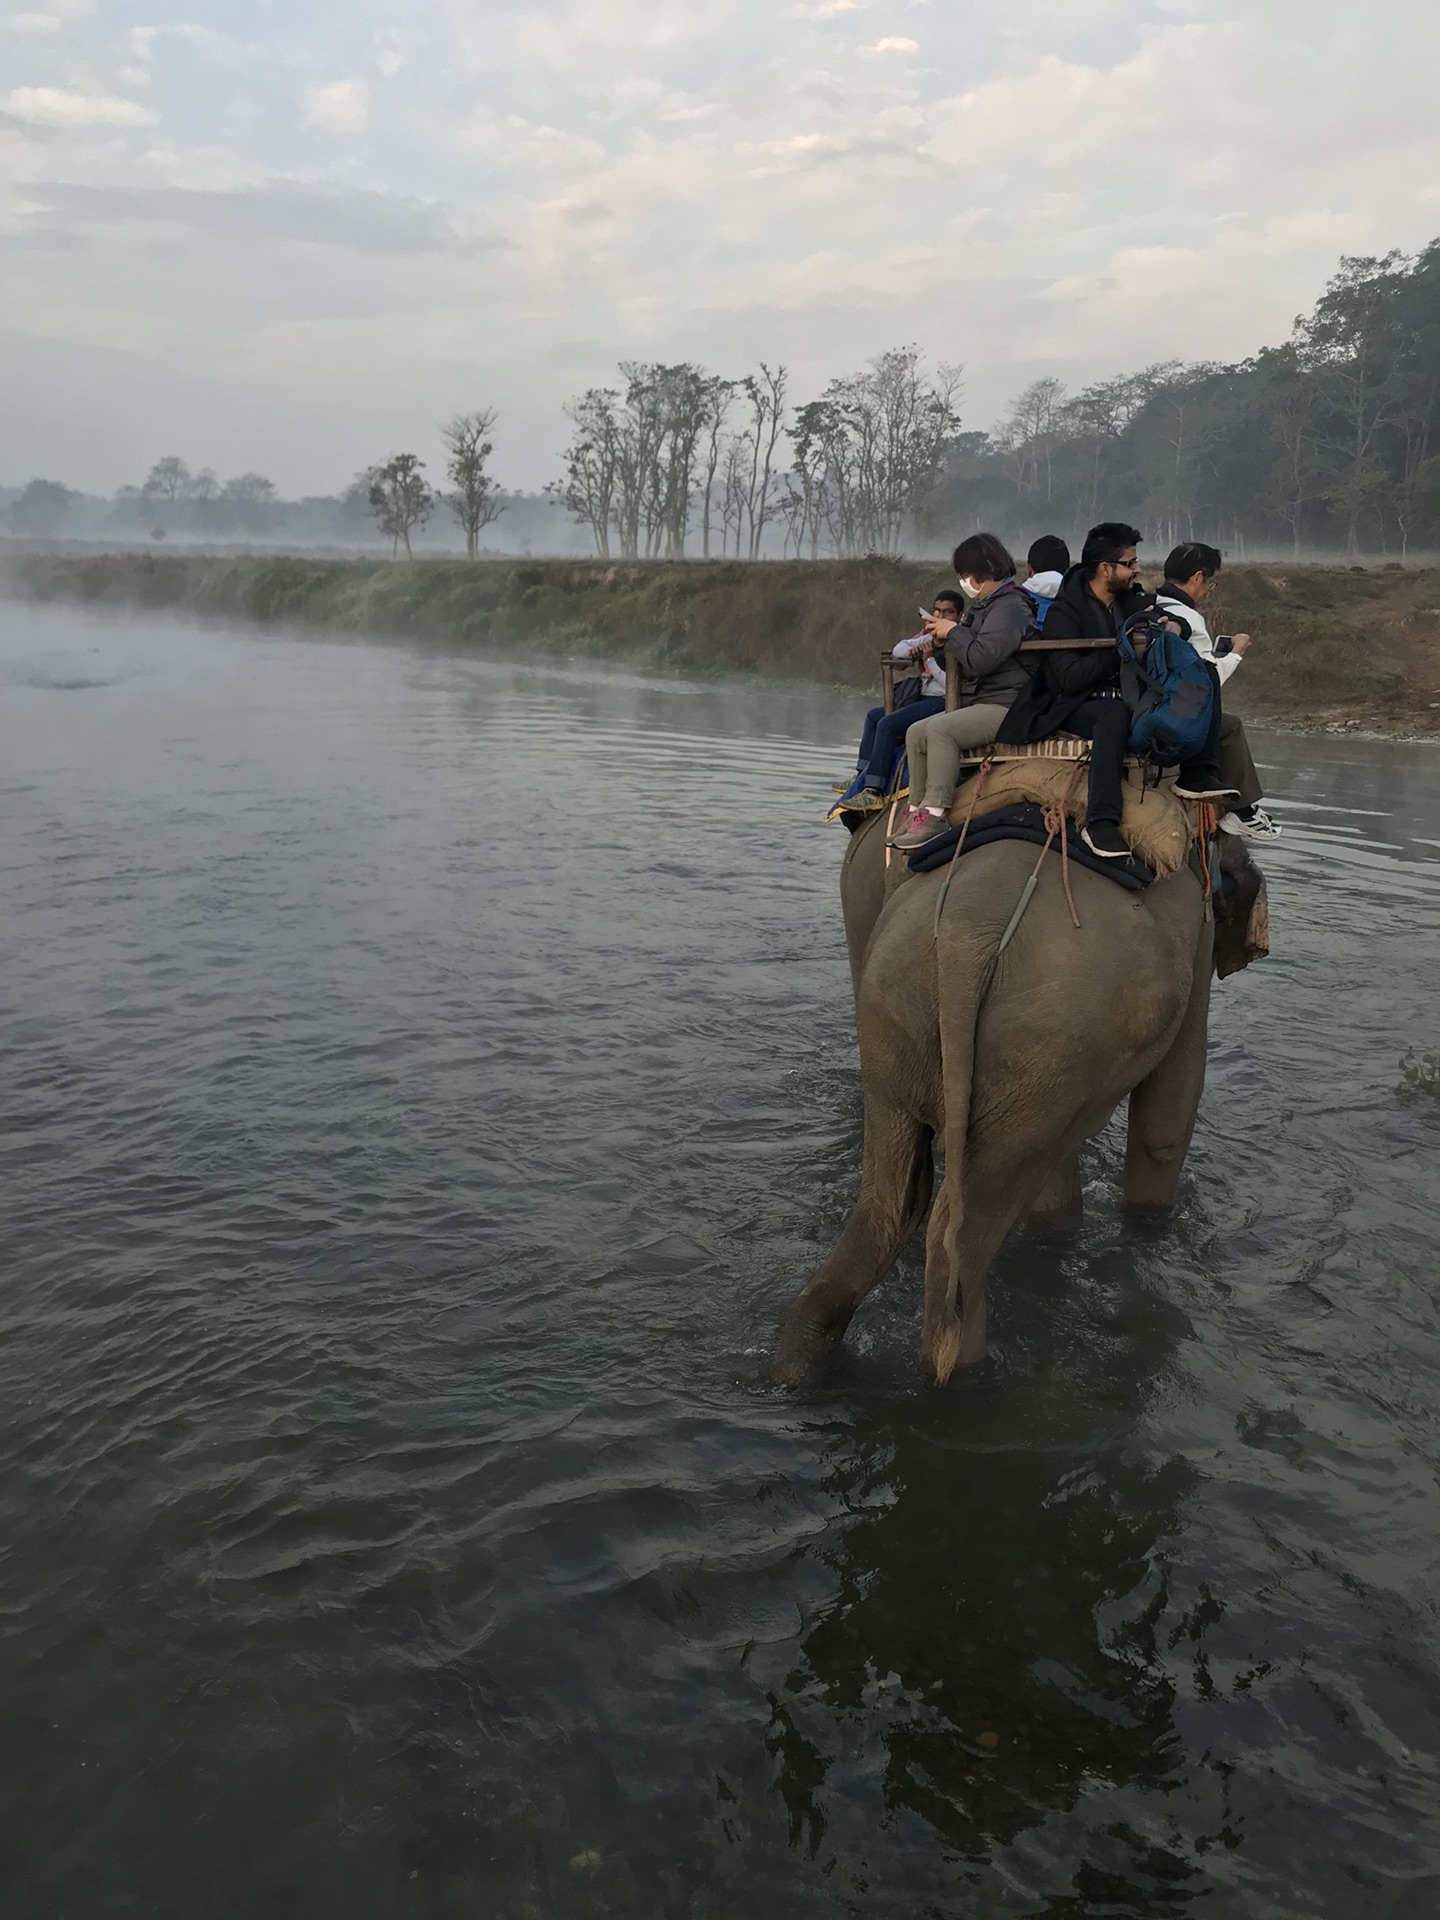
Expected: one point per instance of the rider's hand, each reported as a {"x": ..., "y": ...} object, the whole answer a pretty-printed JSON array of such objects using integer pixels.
[
  {"x": 937, "y": 625},
  {"x": 1239, "y": 643}
]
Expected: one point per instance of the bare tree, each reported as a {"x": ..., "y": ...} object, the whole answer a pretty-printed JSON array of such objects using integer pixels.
[
  {"x": 630, "y": 467},
  {"x": 1028, "y": 433},
  {"x": 476, "y": 500},
  {"x": 591, "y": 463},
  {"x": 765, "y": 392},
  {"x": 871, "y": 446},
  {"x": 734, "y": 492},
  {"x": 400, "y": 500},
  {"x": 718, "y": 405},
  {"x": 805, "y": 496},
  {"x": 168, "y": 481}
]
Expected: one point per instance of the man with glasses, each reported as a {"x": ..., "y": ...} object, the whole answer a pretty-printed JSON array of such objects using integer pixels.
[{"x": 1079, "y": 692}]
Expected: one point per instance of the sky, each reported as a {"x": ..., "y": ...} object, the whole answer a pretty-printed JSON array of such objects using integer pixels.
[{"x": 295, "y": 235}]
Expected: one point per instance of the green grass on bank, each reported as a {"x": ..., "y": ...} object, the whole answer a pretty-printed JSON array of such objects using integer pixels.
[{"x": 1327, "y": 638}]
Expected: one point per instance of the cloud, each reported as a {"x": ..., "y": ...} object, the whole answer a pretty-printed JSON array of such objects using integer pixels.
[
  {"x": 339, "y": 106},
  {"x": 569, "y": 182},
  {"x": 57, "y": 107},
  {"x": 286, "y": 213},
  {"x": 36, "y": 23}
]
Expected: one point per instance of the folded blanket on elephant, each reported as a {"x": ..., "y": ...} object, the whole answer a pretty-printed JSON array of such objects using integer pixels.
[
  {"x": 1025, "y": 820},
  {"x": 1158, "y": 828}
]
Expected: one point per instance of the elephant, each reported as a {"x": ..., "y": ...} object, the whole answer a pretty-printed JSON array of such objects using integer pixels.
[{"x": 1009, "y": 1060}]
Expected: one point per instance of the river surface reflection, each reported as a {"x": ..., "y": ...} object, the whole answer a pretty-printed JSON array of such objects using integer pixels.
[{"x": 423, "y": 1097}]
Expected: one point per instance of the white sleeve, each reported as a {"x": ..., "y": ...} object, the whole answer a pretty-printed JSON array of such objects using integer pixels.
[
  {"x": 1195, "y": 621},
  {"x": 905, "y": 648},
  {"x": 1226, "y": 665}
]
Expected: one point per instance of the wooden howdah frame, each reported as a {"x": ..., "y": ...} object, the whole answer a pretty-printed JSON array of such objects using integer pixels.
[{"x": 890, "y": 667}]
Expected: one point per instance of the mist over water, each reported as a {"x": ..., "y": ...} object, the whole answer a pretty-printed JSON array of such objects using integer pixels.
[{"x": 424, "y": 1094}]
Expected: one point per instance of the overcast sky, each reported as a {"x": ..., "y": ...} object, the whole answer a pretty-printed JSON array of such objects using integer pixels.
[{"x": 292, "y": 235}]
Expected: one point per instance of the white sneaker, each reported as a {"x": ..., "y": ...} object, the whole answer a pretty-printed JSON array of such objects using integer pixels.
[{"x": 1254, "y": 824}]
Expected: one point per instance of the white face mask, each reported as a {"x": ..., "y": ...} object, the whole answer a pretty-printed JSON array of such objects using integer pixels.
[{"x": 969, "y": 589}]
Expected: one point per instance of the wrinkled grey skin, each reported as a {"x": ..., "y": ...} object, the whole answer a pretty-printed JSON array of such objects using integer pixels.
[{"x": 1006, "y": 1063}]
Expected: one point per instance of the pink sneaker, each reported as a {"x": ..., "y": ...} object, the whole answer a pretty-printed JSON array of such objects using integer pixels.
[
  {"x": 918, "y": 826},
  {"x": 904, "y": 823}
]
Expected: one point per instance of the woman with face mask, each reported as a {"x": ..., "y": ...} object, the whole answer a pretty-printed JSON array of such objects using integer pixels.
[{"x": 984, "y": 642}]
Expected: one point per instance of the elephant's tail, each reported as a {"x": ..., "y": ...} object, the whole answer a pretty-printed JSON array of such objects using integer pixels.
[{"x": 960, "y": 1009}]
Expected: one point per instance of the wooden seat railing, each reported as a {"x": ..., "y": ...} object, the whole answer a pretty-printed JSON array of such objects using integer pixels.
[{"x": 891, "y": 668}]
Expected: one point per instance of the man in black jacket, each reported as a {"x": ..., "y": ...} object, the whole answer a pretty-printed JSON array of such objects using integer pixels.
[{"x": 1079, "y": 692}]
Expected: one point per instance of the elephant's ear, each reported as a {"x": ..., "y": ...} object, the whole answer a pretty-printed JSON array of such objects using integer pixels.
[{"x": 1242, "y": 912}]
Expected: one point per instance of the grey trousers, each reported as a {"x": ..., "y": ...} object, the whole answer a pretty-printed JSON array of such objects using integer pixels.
[
  {"x": 1237, "y": 768},
  {"x": 933, "y": 748}
]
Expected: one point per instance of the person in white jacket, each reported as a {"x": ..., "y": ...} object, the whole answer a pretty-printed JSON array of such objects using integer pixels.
[
  {"x": 1046, "y": 566},
  {"x": 884, "y": 735},
  {"x": 1190, "y": 572}
]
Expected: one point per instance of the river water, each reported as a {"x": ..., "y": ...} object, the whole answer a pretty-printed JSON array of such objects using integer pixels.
[{"x": 423, "y": 1095}]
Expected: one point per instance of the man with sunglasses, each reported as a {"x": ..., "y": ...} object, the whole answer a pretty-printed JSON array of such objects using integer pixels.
[{"x": 1079, "y": 692}]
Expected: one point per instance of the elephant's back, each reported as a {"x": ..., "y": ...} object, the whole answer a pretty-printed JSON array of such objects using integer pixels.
[{"x": 1111, "y": 990}]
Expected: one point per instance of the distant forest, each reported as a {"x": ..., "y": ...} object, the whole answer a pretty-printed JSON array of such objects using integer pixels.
[{"x": 1325, "y": 445}]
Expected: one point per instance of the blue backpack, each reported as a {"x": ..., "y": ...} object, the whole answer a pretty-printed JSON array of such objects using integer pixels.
[{"x": 1167, "y": 688}]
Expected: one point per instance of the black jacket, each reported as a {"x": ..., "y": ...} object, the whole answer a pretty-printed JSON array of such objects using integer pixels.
[{"x": 1062, "y": 682}]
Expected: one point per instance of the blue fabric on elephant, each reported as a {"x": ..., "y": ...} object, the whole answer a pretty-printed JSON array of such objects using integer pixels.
[{"x": 1026, "y": 821}]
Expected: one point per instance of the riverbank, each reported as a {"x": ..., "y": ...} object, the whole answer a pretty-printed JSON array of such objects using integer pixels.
[{"x": 1335, "y": 646}]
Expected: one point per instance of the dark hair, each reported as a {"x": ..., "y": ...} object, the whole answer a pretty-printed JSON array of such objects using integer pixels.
[
  {"x": 1107, "y": 542},
  {"x": 1049, "y": 554},
  {"x": 1191, "y": 557},
  {"x": 952, "y": 594},
  {"x": 983, "y": 557}
]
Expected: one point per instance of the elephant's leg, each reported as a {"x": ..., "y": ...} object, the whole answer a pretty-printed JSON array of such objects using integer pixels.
[
  {"x": 894, "y": 1192},
  {"x": 1059, "y": 1207},
  {"x": 1163, "y": 1105}
]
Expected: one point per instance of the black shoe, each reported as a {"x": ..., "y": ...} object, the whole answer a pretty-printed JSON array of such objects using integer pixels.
[
  {"x": 1206, "y": 787},
  {"x": 1103, "y": 837}
]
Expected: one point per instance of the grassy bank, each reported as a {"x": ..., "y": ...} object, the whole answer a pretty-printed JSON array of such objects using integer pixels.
[{"x": 1332, "y": 644}]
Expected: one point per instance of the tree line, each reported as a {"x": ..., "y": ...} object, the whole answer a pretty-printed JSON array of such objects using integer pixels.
[
  {"x": 395, "y": 494},
  {"x": 1324, "y": 443}
]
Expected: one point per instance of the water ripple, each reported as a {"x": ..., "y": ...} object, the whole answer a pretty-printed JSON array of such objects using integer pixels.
[{"x": 423, "y": 1094}]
